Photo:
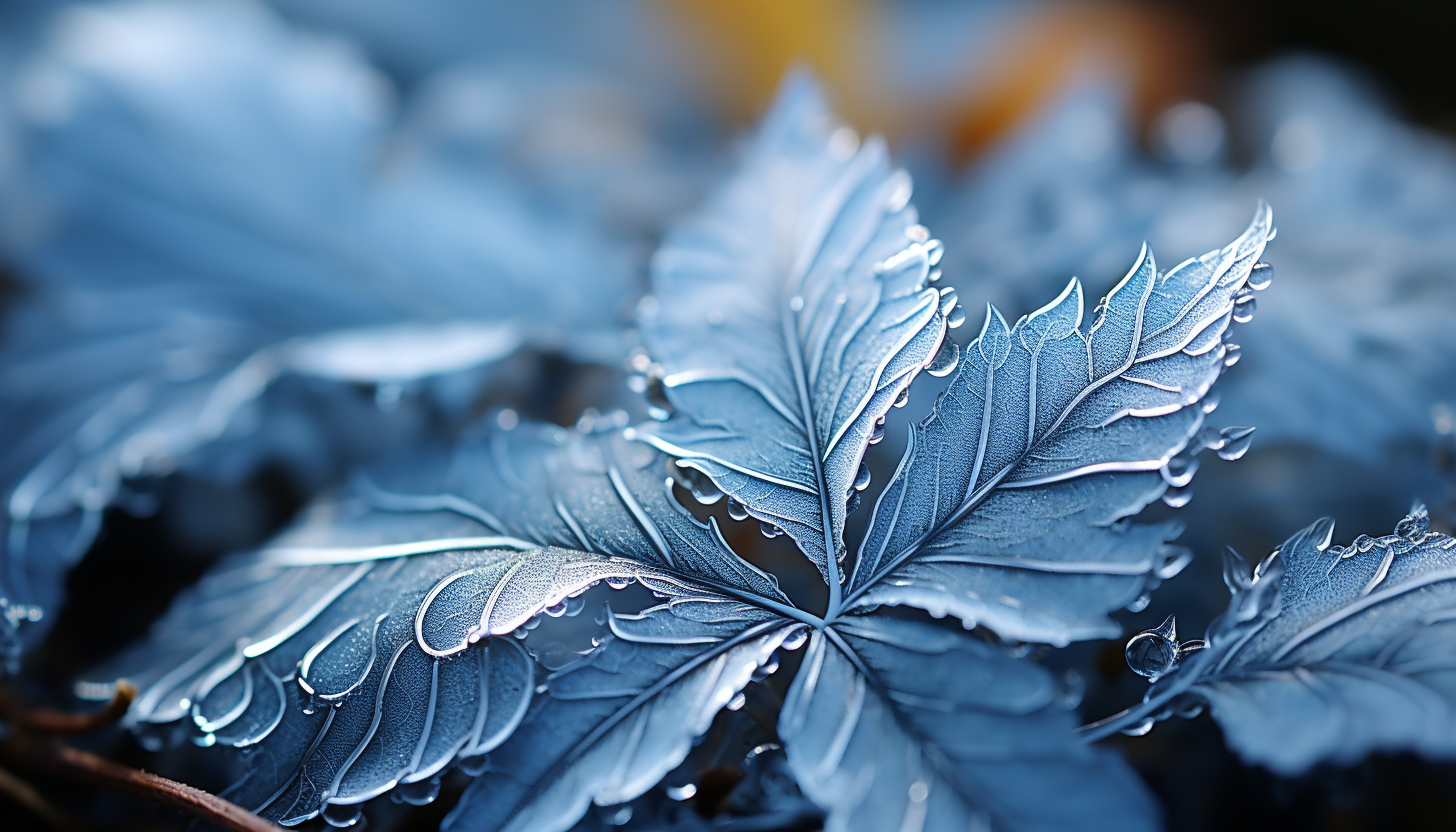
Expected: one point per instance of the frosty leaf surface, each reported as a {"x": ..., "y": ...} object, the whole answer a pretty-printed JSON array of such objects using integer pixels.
[
  {"x": 1328, "y": 653},
  {"x": 353, "y": 679},
  {"x": 1010, "y": 506},
  {"x": 895, "y": 724},
  {"x": 199, "y": 214},
  {"x": 367, "y": 646},
  {"x": 788, "y": 316},
  {"x": 535, "y": 485},
  {"x": 610, "y": 725}
]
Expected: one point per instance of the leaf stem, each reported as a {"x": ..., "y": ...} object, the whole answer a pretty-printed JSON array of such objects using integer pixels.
[
  {"x": 39, "y": 721},
  {"x": 1104, "y": 728},
  {"x": 70, "y": 763}
]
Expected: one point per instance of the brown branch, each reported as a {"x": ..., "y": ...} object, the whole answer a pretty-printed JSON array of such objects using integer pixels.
[
  {"x": 29, "y": 720},
  {"x": 63, "y": 761}
]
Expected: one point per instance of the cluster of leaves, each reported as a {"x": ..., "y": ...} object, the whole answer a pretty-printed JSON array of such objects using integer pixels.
[
  {"x": 400, "y": 630},
  {"x": 371, "y": 647}
]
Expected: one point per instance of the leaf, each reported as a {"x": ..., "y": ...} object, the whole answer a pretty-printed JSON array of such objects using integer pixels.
[
  {"x": 895, "y": 724},
  {"x": 787, "y": 318},
  {"x": 362, "y": 650},
  {"x": 1328, "y": 653},
  {"x": 613, "y": 723},
  {"x": 199, "y": 217},
  {"x": 1009, "y": 507},
  {"x": 536, "y": 485}
]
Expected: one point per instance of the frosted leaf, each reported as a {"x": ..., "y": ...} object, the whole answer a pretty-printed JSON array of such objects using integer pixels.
[
  {"x": 893, "y": 724},
  {"x": 611, "y": 725},
  {"x": 1328, "y": 653},
  {"x": 811, "y": 260},
  {"x": 197, "y": 211},
  {"x": 1009, "y": 506}
]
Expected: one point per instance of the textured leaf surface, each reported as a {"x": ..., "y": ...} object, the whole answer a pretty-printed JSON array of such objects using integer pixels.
[
  {"x": 1328, "y": 653},
  {"x": 1009, "y": 507},
  {"x": 536, "y": 485},
  {"x": 894, "y": 724},
  {"x": 612, "y": 724},
  {"x": 343, "y": 651},
  {"x": 199, "y": 213},
  {"x": 353, "y": 678},
  {"x": 787, "y": 318}
]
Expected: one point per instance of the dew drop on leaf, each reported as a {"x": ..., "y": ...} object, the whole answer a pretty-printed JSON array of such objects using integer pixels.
[
  {"x": 737, "y": 702},
  {"x": 1154, "y": 652},
  {"x": 343, "y": 815}
]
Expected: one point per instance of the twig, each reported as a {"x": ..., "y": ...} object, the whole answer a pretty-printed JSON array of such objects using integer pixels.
[
  {"x": 64, "y": 761},
  {"x": 39, "y": 721},
  {"x": 24, "y": 794}
]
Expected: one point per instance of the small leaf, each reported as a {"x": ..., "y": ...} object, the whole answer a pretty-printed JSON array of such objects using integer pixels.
[
  {"x": 612, "y": 724},
  {"x": 895, "y": 724},
  {"x": 1009, "y": 507},
  {"x": 788, "y": 317},
  {"x": 1328, "y": 653}
]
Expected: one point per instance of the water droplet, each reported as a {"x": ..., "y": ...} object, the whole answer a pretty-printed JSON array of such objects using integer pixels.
[
  {"x": 852, "y": 504},
  {"x": 533, "y": 623},
  {"x": 736, "y": 510},
  {"x": 878, "y": 434},
  {"x": 903, "y": 399},
  {"x": 1244, "y": 309},
  {"x": 934, "y": 276},
  {"x": 1140, "y": 603},
  {"x": 702, "y": 487},
  {"x": 945, "y": 360},
  {"x": 1231, "y": 354},
  {"x": 767, "y": 670},
  {"x": 1140, "y": 729},
  {"x": 1415, "y": 524},
  {"x": 862, "y": 477},
  {"x": 919, "y": 791},
  {"x": 1179, "y": 470},
  {"x": 575, "y": 605},
  {"x": 421, "y": 793},
  {"x": 769, "y": 530},
  {"x": 1154, "y": 652},
  {"x": 619, "y": 582},
  {"x": 683, "y": 792},
  {"x": 796, "y": 639},
  {"x": 1210, "y": 402},
  {"x": 1073, "y": 686},
  {"x": 616, "y": 815},
  {"x": 343, "y": 815},
  {"x": 1178, "y": 497},
  {"x": 934, "y": 250},
  {"x": 948, "y": 298},
  {"x": 557, "y": 609},
  {"x": 520, "y": 632},
  {"x": 955, "y": 317},
  {"x": 796, "y": 303},
  {"x": 1261, "y": 276},
  {"x": 738, "y": 701},
  {"x": 1236, "y": 442},
  {"x": 475, "y": 766}
]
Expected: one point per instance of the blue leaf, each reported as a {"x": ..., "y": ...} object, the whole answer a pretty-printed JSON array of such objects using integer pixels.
[
  {"x": 319, "y": 649},
  {"x": 612, "y": 724},
  {"x": 788, "y": 317},
  {"x": 894, "y": 724},
  {"x": 198, "y": 207},
  {"x": 1327, "y": 652},
  {"x": 1009, "y": 507}
]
